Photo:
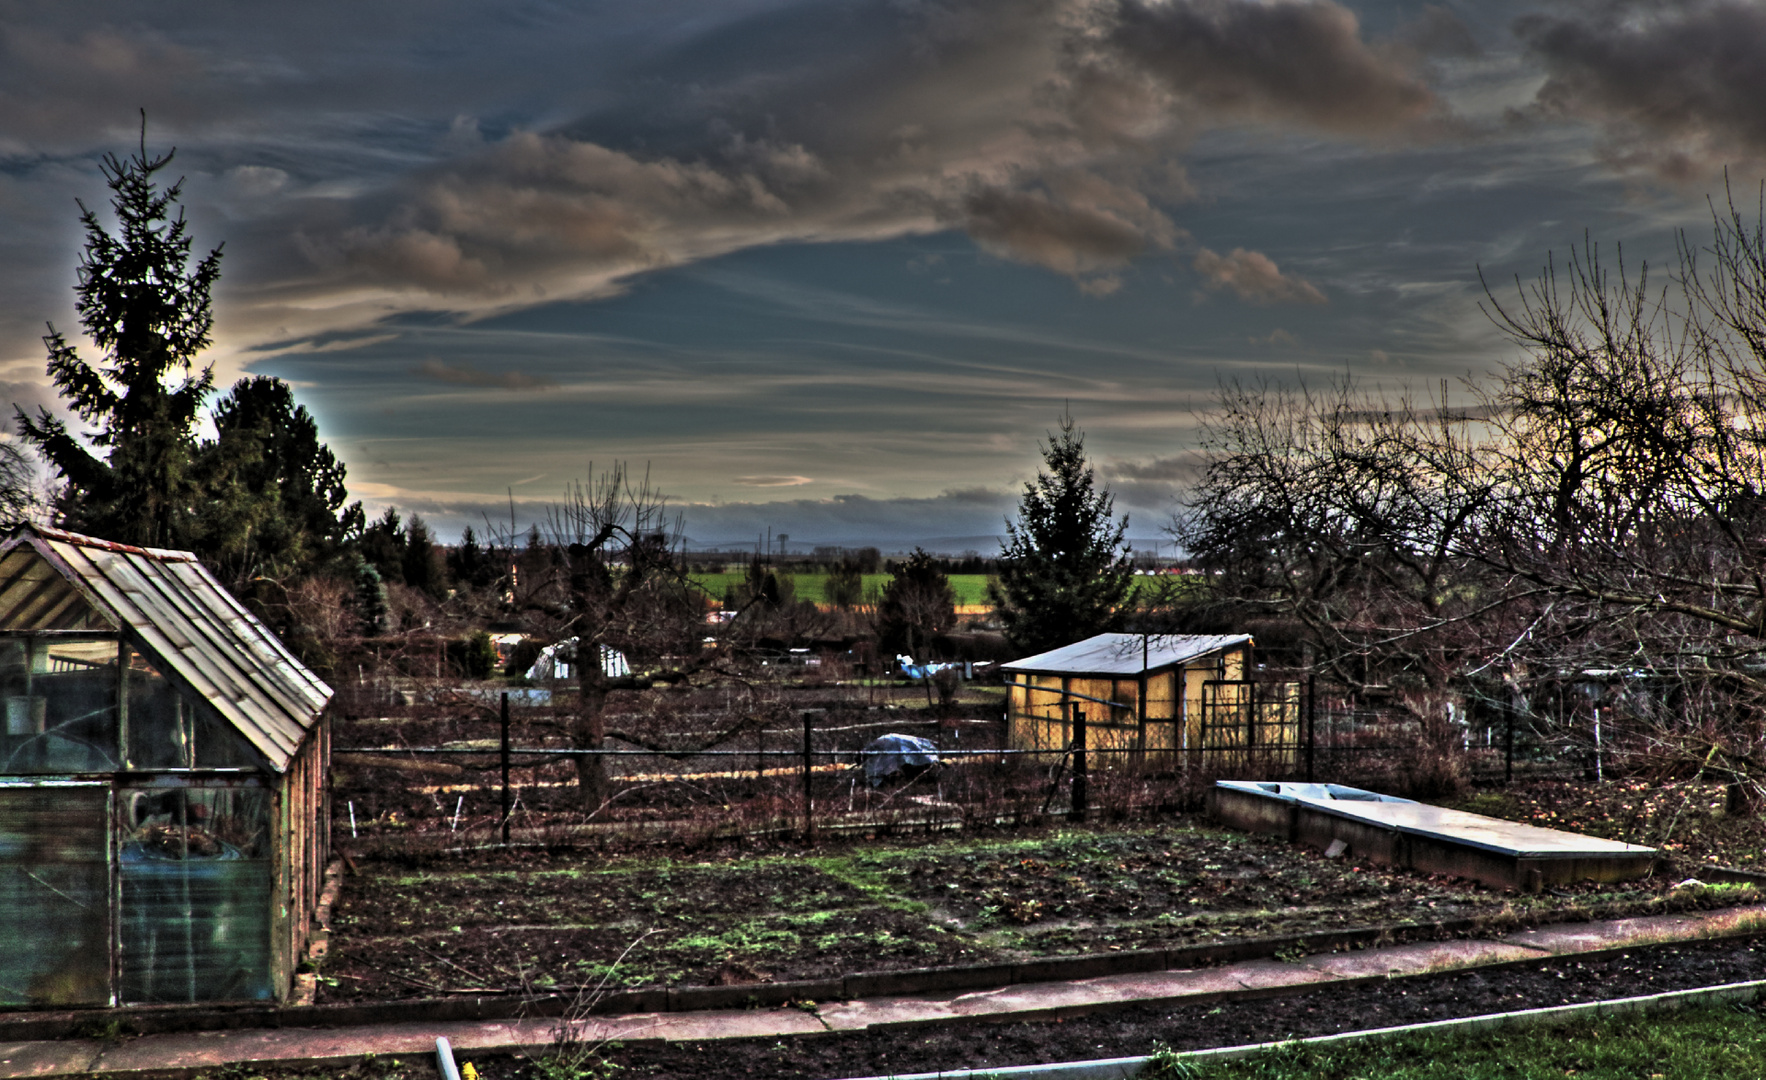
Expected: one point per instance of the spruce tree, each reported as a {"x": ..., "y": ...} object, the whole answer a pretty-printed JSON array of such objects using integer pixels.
[
  {"x": 148, "y": 311},
  {"x": 1064, "y": 572}
]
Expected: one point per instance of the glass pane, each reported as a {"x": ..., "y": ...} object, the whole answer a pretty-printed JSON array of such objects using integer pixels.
[
  {"x": 170, "y": 729},
  {"x": 54, "y": 896},
  {"x": 161, "y": 734},
  {"x": 219, "y": 745},
  {"x": 60, "y": 699},
  {"x": 195, "y": 870}
]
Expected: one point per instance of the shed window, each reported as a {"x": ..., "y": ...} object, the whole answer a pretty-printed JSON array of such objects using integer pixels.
[{"x": 60, "y": 697}]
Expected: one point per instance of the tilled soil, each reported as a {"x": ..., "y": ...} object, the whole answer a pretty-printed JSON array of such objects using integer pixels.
[
  {"x": 1140, "y": 1029},
  {"x": 512, "y": 920}
]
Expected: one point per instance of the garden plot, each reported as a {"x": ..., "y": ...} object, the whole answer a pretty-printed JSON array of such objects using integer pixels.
[{"x": 494, "y": 921}]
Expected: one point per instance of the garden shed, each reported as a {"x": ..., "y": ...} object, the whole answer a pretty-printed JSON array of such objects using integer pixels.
[
  {"x": 163, "y": 819},
  {"x": 1188, "y": 693}
]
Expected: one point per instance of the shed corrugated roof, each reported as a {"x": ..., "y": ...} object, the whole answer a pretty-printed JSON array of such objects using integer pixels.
[
  {"x": 1125, "y": 654},
  {"x": 185, "y": 621}
]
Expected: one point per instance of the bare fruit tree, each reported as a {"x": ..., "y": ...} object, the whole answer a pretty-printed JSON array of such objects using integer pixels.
[
  {"x": 623, "y": 592},
  {"x": 1596, "y": 511}
]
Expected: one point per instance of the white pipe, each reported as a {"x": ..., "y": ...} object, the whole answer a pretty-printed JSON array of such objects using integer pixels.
[{"x": 444, "y": 1059}]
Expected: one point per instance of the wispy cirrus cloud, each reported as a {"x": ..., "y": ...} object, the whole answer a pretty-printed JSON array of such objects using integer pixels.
[{"x": 467, "y": 375}]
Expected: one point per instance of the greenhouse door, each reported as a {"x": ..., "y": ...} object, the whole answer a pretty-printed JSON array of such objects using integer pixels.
[{"x": 55, "y": 924}]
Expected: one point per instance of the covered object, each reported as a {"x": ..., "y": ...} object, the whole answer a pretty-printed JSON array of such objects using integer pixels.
[
  {"x": 163, "y": 825},
  {"x": 892, "y": 755}
]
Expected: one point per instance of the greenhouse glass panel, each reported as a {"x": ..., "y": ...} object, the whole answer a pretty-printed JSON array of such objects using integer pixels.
[
  {"x": 60, "y": 697},
  {"x": 196, "y": 885},
  {"x": 54, "y": 895}
]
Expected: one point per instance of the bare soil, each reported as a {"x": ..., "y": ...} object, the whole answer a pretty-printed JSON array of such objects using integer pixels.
[
  {"x": 1142, "y": 1029},
  {"x": 529, "y": 920}
]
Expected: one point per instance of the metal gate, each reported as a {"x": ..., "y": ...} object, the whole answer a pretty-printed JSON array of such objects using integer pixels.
[{"x": 1248, "y": 724}]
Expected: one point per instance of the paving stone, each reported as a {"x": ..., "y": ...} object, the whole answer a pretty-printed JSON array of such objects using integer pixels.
[{"x": 1418, "y": 958}]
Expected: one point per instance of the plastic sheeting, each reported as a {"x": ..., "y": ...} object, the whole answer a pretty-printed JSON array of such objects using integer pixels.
[{"x": 890, "y": 756}]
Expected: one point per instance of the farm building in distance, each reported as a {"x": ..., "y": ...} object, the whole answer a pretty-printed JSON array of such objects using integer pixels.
[
  {"x": 1153, "y": 692},
  {"x": 163, "y": 825}
]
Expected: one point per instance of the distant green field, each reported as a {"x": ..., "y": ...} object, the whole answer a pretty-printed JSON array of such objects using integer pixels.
[{"x": 970, "y": 588}]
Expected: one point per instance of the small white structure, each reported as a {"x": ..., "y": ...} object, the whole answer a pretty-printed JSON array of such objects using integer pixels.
[{"x": 558, "y": 663}]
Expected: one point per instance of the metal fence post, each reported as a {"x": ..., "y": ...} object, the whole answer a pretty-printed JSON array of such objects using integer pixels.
[
  {"x": 1311, "y": 723},
  {"x": 505, "y": 755},
  {"x": 1079, "y": 777},
  {"x": 809, "y": 822}
]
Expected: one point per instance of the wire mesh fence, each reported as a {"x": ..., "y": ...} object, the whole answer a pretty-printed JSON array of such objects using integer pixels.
[{"x": 803, "y": 772}]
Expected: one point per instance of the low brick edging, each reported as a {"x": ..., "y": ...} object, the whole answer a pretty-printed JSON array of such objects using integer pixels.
[{"x": 160, "y": 1019}]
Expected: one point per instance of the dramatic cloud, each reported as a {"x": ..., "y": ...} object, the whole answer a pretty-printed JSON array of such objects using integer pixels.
[
  {"x": 1679, "y": 89},
  {"x": 1295, "y": 61},
  {"x": 1069, "y": 238},
  {"x": 1254, "y": 277},
  {"x": 1049, "y": 132},
  {"x": 466, "y": 375}
]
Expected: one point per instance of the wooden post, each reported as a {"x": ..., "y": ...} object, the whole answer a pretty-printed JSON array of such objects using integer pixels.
[
  {"x": 505, "y": 756},
  {"x": 1079, "y": 777}
]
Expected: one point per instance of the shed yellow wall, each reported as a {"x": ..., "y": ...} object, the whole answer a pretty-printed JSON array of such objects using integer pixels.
[{"x": 1171, "y": 719}]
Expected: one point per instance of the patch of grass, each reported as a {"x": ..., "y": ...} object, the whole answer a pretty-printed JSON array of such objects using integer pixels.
[{"x": 1722, "y": 1041}]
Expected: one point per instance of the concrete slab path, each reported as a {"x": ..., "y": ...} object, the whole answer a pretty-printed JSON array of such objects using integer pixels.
[{"x": 187, "y": 1052}]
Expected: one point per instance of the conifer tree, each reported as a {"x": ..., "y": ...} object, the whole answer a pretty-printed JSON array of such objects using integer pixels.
[
  {"x": 917, "y": 604},
  {"x": 1064, "y": 571},
  {"x": 148, "y": 311}
]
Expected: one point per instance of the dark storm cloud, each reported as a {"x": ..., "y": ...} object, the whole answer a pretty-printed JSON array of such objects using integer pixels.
[
  {"x": 1149, "y": 488},
  {"x": 1046, "y": 131},
  {"x": 1283, "y": 61},
  {"x": 1679, "y": 89}
]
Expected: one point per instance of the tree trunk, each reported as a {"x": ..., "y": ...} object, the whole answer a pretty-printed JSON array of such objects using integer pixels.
[{"x": 589, "y": 731}]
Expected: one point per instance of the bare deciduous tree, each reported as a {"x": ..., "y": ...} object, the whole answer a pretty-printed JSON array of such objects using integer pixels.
[{"x": 1600, "y": 507}]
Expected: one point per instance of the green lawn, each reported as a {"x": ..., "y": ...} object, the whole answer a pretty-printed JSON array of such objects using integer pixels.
[{"x": 1716, "y": 1042}]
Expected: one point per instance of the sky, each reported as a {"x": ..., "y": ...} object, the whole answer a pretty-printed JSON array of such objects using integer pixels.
[{"x": 835, "y": 269}]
